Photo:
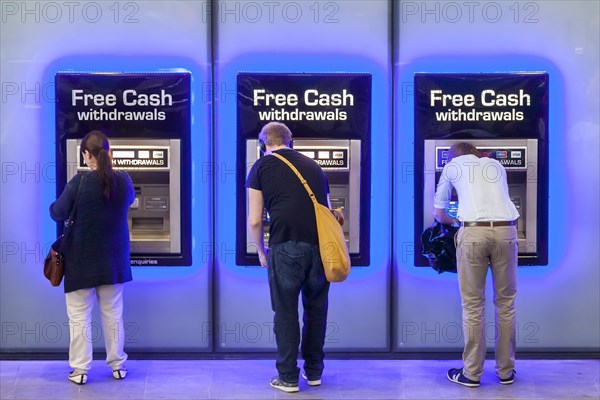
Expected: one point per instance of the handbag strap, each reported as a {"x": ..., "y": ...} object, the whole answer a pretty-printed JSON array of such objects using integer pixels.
[
  {"x": 299, "y": 175},
  {"x": 69, "y": 222}
]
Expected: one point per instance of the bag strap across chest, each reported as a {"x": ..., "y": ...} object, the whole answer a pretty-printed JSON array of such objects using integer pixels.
[{"x": 299, "y": 175}]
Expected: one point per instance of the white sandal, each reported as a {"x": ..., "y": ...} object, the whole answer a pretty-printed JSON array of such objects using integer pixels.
[
  {"x": 78, "y": 378},
  {"x": 119, "y": 373}
]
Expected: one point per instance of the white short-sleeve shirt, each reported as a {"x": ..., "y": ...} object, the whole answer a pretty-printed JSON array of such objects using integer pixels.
[{"x": 481, "y": 187}]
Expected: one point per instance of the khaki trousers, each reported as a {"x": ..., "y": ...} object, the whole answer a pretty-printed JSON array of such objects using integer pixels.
[
  {"x": 477, "y": 249},
  {"x": 80, "y": 304}
]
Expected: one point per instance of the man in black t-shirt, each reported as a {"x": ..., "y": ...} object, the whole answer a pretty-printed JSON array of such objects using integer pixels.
[{"x": 293, "y": 261}]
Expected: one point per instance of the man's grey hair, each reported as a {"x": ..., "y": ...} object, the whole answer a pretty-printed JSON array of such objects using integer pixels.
[{"x": 275, "y": 134}]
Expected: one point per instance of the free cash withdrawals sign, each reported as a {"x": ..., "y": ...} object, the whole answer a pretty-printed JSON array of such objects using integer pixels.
[
  {"x": 497, "y": 105},
  {"x": 154, "y": 105},
  {"x": 312, "y": 105}
]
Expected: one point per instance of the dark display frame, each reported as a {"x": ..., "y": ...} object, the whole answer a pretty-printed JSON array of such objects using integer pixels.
[
  {"x": 175, "y": 125},
  {"x": 533, "y": 125},
  {"x": 357, "y": 125}
]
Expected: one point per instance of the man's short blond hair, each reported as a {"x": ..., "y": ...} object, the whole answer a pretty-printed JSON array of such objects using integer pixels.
[
  {"x": 275, "y": 134},
  {"x": 461, "y": 149}
]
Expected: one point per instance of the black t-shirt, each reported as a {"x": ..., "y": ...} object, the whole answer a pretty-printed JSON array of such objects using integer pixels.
[{"x": 290, "y": 208}]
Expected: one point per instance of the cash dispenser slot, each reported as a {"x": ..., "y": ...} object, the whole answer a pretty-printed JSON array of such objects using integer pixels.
[{"x": 147, "y": 224}]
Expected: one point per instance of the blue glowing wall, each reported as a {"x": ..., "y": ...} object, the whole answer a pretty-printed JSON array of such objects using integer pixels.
[
  {"x": 389, "y": 304},
  {"x": 356, "y": 42},
  {"x": 148, "y": 37},
  {"x": 557, "y": 305}
]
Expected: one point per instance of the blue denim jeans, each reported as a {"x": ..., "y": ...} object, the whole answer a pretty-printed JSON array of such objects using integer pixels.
[{"x": 294, "y": 268}]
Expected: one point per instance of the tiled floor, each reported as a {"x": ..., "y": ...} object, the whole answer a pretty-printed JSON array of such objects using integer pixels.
[{"x": 343, "y": 379}]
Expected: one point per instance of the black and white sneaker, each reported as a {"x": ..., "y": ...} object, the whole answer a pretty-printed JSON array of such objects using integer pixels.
[
  {"x": 509, "y": 380},
  {"x": 311, "y": 382},
  {"x": 457, "y": 376},
  {"x": 284, "y": 386}
]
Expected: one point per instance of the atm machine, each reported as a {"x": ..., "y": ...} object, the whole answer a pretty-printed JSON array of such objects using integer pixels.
[
  {"x": 340, "y": 160},
  {"x": 518, "y": 156},
  {"x": 147, "y": 119},
  {"x": 154, "y": 167},
  {"x": 504, "y": 115},
  {"x": 329, "y": 115}
]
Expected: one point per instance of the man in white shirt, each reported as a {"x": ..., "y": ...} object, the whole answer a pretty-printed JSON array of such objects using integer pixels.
[{"x": 487, "y": 237}]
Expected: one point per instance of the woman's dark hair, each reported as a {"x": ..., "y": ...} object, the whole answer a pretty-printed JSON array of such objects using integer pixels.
[
  {"x": 96, "y": 143},
  {"x": 461, "y": 149}
]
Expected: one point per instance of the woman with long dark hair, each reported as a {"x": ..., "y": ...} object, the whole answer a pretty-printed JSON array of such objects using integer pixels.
[{"x": 97, "y": 259}]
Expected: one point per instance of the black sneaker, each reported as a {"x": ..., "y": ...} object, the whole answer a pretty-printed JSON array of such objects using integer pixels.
[
  {"x": 311, "y": 382},
  {"x": 510, "y": 379},
  {"x": 457, "y": 376},
  {"x": 284, "y": 386}
]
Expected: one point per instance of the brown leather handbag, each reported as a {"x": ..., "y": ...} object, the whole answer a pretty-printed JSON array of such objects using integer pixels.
[{"x": 54, "y": 264}]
